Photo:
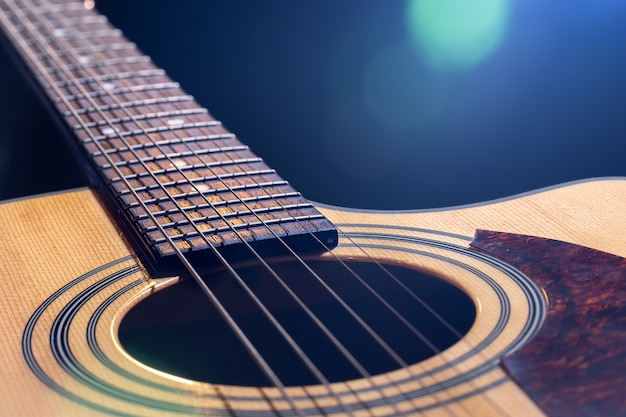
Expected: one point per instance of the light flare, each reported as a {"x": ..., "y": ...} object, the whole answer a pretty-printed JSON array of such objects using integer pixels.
[{"x": 457, "y": 34}]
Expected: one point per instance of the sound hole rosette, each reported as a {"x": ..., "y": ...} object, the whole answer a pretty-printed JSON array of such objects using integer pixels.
[{"x": 84, "y": 360}]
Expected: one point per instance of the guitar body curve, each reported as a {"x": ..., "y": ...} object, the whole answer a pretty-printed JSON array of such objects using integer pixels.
[{"x": 69, "y": 277}]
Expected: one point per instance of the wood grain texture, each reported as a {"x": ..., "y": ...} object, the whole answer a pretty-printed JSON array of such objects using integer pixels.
[
  {"x": 48, "y": 242},
  {"x": 68, "y": 275},
  {"x": 45, "y": 243},
  {"x": 589, "y": 213},
  {"x": 575, "y": 365}
]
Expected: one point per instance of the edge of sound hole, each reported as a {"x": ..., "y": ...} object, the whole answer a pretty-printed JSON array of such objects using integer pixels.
[{"x": 178, "y": 331}]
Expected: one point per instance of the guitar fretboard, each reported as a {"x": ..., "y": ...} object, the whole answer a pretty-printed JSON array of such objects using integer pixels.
[{"x": 181, "y": 179}]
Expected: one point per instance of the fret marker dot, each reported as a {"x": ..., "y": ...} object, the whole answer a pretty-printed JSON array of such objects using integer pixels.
[
  {"x": 175, "y": 122},
  {"x": 108, "y": 131},
  {"x": 108, "y": 86},
  {"x": 179, "y": 163},
  {"x": 59, "y": 32},
  {"x": 83, "y": 59},
  {"x": 202, "y": 187}
]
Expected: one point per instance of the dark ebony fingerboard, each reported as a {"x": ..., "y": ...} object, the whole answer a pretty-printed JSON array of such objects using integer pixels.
[{"x": 180, "y": 178}]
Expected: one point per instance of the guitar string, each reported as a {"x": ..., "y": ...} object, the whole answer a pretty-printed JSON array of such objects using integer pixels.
[
  {"x": 189, "y": 267},
  {"x": 391, "y": 308},
  {"x": 266, "y": 369}
]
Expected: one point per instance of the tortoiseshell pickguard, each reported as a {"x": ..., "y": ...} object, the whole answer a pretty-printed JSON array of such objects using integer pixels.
[{"x": 576, "y": 364}]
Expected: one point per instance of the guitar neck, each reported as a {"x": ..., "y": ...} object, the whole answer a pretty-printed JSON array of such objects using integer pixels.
[{"x": 182, "y": 181}]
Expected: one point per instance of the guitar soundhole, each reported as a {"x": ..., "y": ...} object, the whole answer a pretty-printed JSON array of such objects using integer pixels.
[{"x": 178, "y": 331}]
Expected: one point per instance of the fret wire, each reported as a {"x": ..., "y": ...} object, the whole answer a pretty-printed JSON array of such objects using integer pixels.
[
  {"x": 220, "y": 190},
  {"x": 168, "y": 185},
  {"x": 122, "y": 46},
  {"x": 162, "y": 157},
  {"x": 211, "y": 138},
  {"x": 226, "y": 176},
  {"x": 95, "y": 35},
  {"x": 71, "y": 18},
  {"x": 52, "y": 41},
  {"x": 157, "y": 115},
  {"x": 98, "y": 46},
  {"x": 234, "y": 228},
  {"x": 199, "y": 207},
  {"x": 107, "y": 64},
  {"x": 171, "y": 185},
  {"x": 239, "y": 333},
  {"x": 161, "y": 210},
  {"x": 148, "y": 81},
  {"x": 143, "y": 131},
  {"x": 51, "y": 8},
  {"x": 243, "y": 220},
  {"x": 190, "y": 196},
  {"x": 61, "y": 23},
  {"x": 209, "y": 156},
  {"x": 235, "y": 214},
  {"x": 134, "y": 103},
  {"x": 276, "y": 324},
  {"x": 114, "y": 77},
  {"x": 100, "y": 61},
  {"x": 194, "y": 139},
  {"x": 100, "y": 93}
]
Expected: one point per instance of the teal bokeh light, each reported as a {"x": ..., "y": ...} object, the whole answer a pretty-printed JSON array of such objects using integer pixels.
[
  {"x": 457, "y": 34},
  {"x": 400, "y": 91}
]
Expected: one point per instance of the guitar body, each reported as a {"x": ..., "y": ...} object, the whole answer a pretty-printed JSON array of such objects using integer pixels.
[
  {"x": 197, "y": 281},
  {"x": 69, "y": 277}
]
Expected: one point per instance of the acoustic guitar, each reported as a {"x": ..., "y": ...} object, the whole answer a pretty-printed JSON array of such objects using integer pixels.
[{"x": 193, "y": 280}]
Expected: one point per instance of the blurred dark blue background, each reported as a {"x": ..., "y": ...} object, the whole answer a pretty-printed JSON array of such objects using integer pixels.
[{"x": 378, "y": 104}]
